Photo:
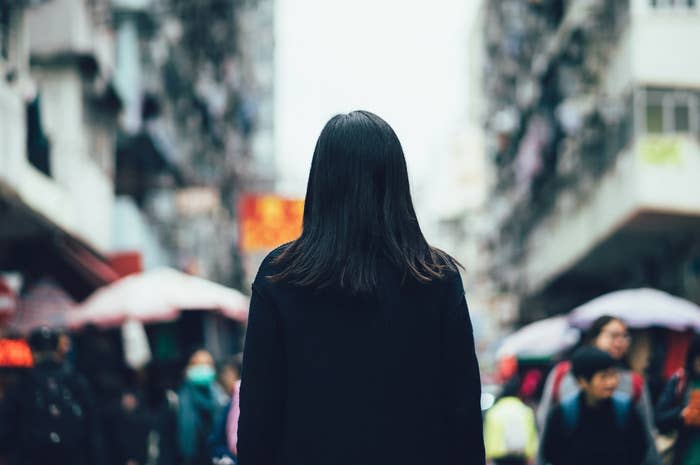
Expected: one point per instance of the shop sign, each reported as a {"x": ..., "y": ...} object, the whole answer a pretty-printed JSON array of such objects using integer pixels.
[
  {"x": 661, "y": 150},
  {"x": 267, "y": 221}
]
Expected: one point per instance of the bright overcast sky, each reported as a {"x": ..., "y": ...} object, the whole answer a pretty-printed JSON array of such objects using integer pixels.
[{"x": 404, "y": 60}]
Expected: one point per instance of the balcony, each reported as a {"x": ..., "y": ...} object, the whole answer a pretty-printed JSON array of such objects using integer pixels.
[
  {"x": 652, "y": 189},
  {"x": 647, "y": 55}
]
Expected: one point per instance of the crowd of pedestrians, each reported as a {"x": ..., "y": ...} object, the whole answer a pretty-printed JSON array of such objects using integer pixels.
[
  {"x": 52, "y": 415},
  {"x": 595, "y": 409}
]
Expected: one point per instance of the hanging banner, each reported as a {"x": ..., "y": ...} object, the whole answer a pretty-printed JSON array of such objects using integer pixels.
[{"x": 268, "y": 221}]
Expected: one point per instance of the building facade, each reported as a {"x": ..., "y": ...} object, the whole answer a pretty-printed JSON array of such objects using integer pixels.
[
  {"x": 194, "y": 132},
  {"x": 58, "y": 114},
  {"x": 592, "y": 121}
]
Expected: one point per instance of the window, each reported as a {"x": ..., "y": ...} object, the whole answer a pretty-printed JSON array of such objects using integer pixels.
[
  {"x": 671, "y": 111},
  {"x": 655, "y": 119},
  {"x": 681, "y": 117},
  {"x": 673, "y": 3},
  {"x": 4, "y": 31}
]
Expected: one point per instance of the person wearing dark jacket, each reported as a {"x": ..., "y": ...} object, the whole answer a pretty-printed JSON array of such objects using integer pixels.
[
  {"x": 50, "y": 416},
  {"x": 596, "y": 425},
  {"x": 128, "y": 426},
  {"x": 674, "y": 414},
  {"x": 341, "y": 318}
]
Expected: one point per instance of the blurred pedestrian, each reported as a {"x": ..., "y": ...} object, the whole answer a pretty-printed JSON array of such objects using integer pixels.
[
  {"x": 611, "y": 335},
  {"x": 344, "y": 318},
  {"x": 597, "y": 425},
  {"x": 128, "y": 428},
  {"x": 678, "y": 409},
  {"x": 198, "y": 407},
  {"x": 223, "y": 448},
  {"x": 227, "y": 377},
  {"x": 510, "y": 432},
  {"x": 50, "y": 416}
]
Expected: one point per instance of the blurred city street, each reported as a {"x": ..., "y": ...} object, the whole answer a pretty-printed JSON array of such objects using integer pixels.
[{"x": 153, "y": 152}]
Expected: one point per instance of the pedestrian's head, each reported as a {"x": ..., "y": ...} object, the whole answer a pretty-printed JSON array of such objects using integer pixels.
[
  {"x": 512, "y": 387},
  {"x": 230, "y": 373},
  {"x": 692, "y": 359},
  {"x": 358, "y": 212},
  {"x": 200, "y": 368},
  {"x": 130, "y": 400},
  {"x": 609, "y": 334},
  {"x": 44, "y": 343},
  {"x": 595, "y": 371},
  {"x": 65, "y": 344}
]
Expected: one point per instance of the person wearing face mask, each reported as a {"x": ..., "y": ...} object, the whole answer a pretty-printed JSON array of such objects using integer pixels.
[
  {"x": 608, "y": 334},
  {"x": 198, "y": 406}
]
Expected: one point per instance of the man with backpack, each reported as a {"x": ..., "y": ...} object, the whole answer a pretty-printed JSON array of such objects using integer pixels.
[
  {"x": 596, "y": 425},
  {"x": 609, "y": 334},
  {"x": 49, "y": 417}
]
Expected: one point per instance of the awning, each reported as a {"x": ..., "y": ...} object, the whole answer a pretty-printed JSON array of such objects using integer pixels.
[
  {"x": 34, "y": 245},
  {"x": 92, "y": 266}
]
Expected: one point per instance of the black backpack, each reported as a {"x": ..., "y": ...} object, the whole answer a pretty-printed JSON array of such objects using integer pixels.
[{"x": 53, "y": 415}]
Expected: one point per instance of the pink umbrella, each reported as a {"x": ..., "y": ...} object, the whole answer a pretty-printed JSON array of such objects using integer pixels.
[
  {"x": 543, "y": 338},
  {"x": 640, "y": 308},
  {"x": 44, "y": 304},
  {"x": 155, "y": 296}
]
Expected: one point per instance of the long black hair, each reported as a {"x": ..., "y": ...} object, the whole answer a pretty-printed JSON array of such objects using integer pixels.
[{"x": 358, "y": 211}]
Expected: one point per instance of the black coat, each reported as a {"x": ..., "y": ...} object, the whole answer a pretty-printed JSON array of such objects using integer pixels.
[
  {"x": 668, "y": 415},
  {"x": 333, "y": 379},
  {"x": 18, "y": 421}
]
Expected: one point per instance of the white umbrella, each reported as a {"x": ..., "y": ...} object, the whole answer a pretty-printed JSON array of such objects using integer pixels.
[
  {"x": 640, "y": 308},
  {"x": 543, "y": 338},
  {"x": 158, "y": 295}
]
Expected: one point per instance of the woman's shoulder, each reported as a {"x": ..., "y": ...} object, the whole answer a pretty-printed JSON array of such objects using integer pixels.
[{"x": 270, "y": 264}]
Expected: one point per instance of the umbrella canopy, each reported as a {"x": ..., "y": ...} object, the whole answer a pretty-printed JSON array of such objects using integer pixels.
[
  {"x": 543, "y": 338},
  {"x": 155, "y": 296},
  {"x": 44, "y": 304},
  {"x": 640, "y": 308}
]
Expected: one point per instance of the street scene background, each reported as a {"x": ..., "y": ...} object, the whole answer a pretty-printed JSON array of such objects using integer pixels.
[{"x": 152, "y": 152}]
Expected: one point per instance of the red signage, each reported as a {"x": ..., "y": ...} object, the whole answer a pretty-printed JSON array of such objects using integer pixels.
[
  {"x": 15, "y": 353},
  {"x": 267, "y": 221}
]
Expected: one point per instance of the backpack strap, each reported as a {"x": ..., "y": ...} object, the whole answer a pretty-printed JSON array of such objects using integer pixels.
[
  {"x": 570, "y": 409},
  {"x": 637, "y": 387},
  {"x": 560, "y": 370},
  {"x": 621, "y": 405}
]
